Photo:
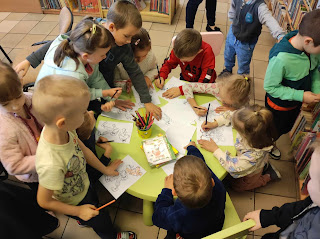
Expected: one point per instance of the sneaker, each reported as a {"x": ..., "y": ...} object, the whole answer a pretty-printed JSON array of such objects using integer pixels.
[
  {"x": 215, "y": 29},
  {"x": 272, "y": 171},
  {"x": 225, "y": 73},
  {"x": 275, "y": 153},
  {"x": 126, "y": 235}
]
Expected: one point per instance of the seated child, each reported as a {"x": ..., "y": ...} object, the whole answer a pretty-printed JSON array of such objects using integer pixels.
[
  {"x": 299, "y": 219},
  {"x": 255, "y": 139},
  {"x": 194, "y": 56},
  {"x": 147, "y": 61},
  {"x": 199, "y": 208},
  {"x": 79, "y": 56},
  {"x": 61, "y": 157},
  {"x": 233, "y": 91}
]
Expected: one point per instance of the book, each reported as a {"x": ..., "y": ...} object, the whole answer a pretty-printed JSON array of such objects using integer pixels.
[{"x": 158, "y": 151}]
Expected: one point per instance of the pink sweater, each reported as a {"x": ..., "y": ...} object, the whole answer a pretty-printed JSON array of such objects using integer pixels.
[{"x": 18, "y": 146}]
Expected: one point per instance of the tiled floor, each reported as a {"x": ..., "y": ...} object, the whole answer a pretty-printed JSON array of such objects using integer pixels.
[{"x": 19, "y": 30}]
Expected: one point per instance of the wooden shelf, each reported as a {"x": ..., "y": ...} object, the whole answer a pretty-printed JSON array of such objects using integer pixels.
[{"x": 75, "y": 13}]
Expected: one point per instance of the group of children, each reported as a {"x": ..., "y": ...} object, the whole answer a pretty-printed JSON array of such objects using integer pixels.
[{"x": 38, "y": 134}]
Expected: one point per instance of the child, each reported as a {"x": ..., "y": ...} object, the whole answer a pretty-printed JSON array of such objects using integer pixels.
[
  {"x": 123, "y": 21},
  {"x": 19, "y": 129},
  {"x": 247, "y": 17},
  {"x": 298, "y": 219},
  {"x": 292, "y": 75},
  {"x": 255, "y": 139},
  {"x": 199, "y": 208},
  {"x": 61, "y": 157},
  {"x": 79, "y": 55},
  {"x": 233, "y": 91},
  {"x": 194, "y": 56},
  {"x": 141, "y": 47}
]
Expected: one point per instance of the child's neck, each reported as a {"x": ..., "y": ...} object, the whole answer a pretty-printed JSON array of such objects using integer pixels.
[
  {"x": 23, "y": 113},
  {"x": 54, "y": 135},
  {"x": 297, "y": 42}
]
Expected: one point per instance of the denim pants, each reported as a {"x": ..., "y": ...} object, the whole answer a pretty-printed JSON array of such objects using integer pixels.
[
  {"x": 192, "y": 8},
  {"x": 243, "y": 50}
]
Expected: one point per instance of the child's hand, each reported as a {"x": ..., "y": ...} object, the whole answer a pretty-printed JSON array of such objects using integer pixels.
[
  {"x": 255, "y": 215},
  {"x": 106, "y": 146},
  {"x": 149, "y": 82},
  {"x": 87, "y": 211},
  {"x": 172, "y": 93},
  {"x": 224, "y": 108},
  {"x": 115, "y": 92},
  {"x": 200, "y": 110},
  {"x": 22, "y": 68},
  {"x": 129, "y": 86},
  {"x": 124, "y": 104},
  {"x": 111, "y": 170},
  {"x": 155, "y": 110},
  {"x": 309, "y": 97},
  {"x": 168, "y": 182},
  {"x": 191, "y": 143},
  {"x": 158, "y": 84},
  {"x": 108, "y": 106},
  {"x": 209, "y": 125},
  {"x": 211, "y": 146}
]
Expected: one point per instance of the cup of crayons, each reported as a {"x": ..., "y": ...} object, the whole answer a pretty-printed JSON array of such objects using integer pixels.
[{"x": 144, "y": 124}]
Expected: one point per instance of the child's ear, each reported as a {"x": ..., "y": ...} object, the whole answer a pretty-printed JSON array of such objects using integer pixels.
[
  {"x": 213, "y": 183},
  {"x": 111, "y": 27},
  {"x": 174, "y": 192},
  {"x": 61, "y": 122},
  {"x": 84, "y": 56},
  {"x": 308, "y": 40}
]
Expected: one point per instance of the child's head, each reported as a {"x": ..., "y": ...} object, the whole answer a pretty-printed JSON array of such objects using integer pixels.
[
  {"x": 88, "y": 40},
  {"x": 141, "y": 45},
  {"x": 234, "y": 90},
  {"x": 310, "y": 32},
  {"x": 123, "y": 21},
  {"x": 192, "y": 182},
  {"x": 61, "y": 101},
  {"x": 84, "y": 131},
  {"x": 255, "y": 124},
  {"x": 11, "y": 96},
  {"x": 187, "y": 44}
]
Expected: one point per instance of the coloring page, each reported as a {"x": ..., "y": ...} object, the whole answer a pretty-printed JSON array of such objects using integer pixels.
[
  {"x": 173, "y": 82},
  {"x": 118, "y": 114},
  {"x": 129, "y": 173},
  {"x": 168, "y": 168},
  {"x": 119, "y": 132},
  {"x": 154, "y": 97},
  {"x": 165, "y": 122}
]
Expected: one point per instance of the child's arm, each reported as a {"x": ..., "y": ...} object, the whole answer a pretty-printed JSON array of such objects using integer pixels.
[
  {"x": 222, "y": 119},
  {"x": 232, "y": 11},
  {"x": 315, "y": 74},
  {"x": 169, "y": 64},
  {"x": 208, "y": 73}
]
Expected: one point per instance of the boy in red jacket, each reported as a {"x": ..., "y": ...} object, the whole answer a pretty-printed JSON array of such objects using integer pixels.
[{"x": 195, "y": 57}]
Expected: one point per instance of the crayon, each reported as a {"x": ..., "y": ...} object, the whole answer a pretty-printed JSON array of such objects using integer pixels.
[
  {"x": 114, "y": 94},
  {"x": 107, "y": 204}
]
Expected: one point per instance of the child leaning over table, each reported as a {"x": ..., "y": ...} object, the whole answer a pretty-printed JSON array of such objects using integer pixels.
[{"x": 199, "y": 208}]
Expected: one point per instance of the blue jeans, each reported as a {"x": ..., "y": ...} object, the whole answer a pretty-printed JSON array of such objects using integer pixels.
[{"x": 243, "y": 50}]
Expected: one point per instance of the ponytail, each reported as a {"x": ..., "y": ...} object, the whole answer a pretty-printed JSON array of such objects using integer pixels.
[{"x": 65, "y": 49}]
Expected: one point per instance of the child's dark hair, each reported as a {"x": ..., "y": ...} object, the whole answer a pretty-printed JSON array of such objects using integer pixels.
[
  {"x": 121, "y": 13},
  {"x": 141, "y": 41},
  {"x": 187, "y": 43},
  {"x": 10, "y": 84},
  {"x": 192, "y": 182},
  {"x": 308, "y": 26},
  {"x": 255, "y": 124},
  {"x": 87, "y": 36}
]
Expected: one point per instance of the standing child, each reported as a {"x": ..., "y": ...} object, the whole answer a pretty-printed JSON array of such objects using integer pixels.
[
  {"x": 61, "y": 157},
  {"x": 199, "y": 208},
  {"x": 247, "y": 17},
  {"x": 249, "y": 168},
  {"x": 147, "y": 61},
  {"x": 194, "y": 56}
]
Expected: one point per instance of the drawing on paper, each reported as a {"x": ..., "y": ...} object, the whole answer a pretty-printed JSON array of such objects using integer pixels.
[{"x": 119, "y": 132}]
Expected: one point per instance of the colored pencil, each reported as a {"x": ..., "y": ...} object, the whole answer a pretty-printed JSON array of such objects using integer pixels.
[
  {"x": 158, "y": 73},
  {"x": 114, "y": 94},
  {"x": 107, "y": 204},
  {"x": 198, "y": 108},
  {"x": 104, "y": 142},
  {"x": 141, "y": 120},
  {"x": 207, "y": 114}
]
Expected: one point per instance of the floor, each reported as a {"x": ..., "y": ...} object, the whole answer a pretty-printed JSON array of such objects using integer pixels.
[{"x": 20, "y": 30}]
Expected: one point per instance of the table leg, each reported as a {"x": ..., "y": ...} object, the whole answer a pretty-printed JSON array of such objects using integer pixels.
[{"x": 147, "y": 212}]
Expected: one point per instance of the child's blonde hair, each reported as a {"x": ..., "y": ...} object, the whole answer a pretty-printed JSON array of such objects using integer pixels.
[
  {"x": 255, "y": 124},
  {"x": 10, "y": 84},
  {"x": 55, "y": 95},
  {"x": 237, "y": 86},
  {"x": 87, "y": 37},
  {"x": 141, "y": 41},
  {"x": 192, "y": 182}
]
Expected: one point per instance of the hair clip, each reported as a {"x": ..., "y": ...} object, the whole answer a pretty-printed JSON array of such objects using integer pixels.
[
  {"x": 137, "y": 42},
  {"x": 246, "y": 78},
  {"x": 93, "y": 29},
  {"x": 68, "y": 39},
  {"x": 256, "y": 113}
]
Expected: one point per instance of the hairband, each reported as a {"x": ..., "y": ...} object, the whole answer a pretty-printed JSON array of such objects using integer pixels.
[
  {"x": 137, "y": 42},
  {"x": 93, "y": 29}
]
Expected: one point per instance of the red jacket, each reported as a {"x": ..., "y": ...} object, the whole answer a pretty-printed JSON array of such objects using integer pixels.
[{"x": 200, "y": 69}]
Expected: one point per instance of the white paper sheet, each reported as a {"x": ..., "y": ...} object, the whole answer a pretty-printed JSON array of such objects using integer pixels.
[
  {"x": 119, "y": 132},
  {"x": 173, "y": 82},
  {"x": 129, "y": 173},
  {"x": 168, "y": 168},
  {"x": 165, "y": 121},
  {"x": 118, "y": 114},
  {"x": 154, "y": 97}
]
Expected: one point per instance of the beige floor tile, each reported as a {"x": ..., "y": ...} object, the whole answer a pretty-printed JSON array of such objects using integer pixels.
[
  {"x": 257, "y": 237},
  {"x": 285, "y": 187},
  {"x": 55, "y": 31},
  {"x": 163, "y": 27},
  {"x": 222, "y": 7},
  {"x": 242, "y": 201},
  {"x": 130, "y": 221},
  {"x": 23, "y": 27},
  {"x": 162, "y": 233},
  {"x": 182, "y": 25},
  {"x": 2, "y": 34},
  {"x": 235, "y": 68},
  {"x": 202, "y": 6},
  {"x": 175, "y": 72},
  {"x": 260, "y": 68},
  {"x": 198, "y": 18},
  {"x": 43, "y": 28},
  {"x": 33, "y": 17},
  {"x": 131, "y": 203},
  {"x": 73, "y": 230},
  {"x": 160, "y": 38},
  {"x": 219, "y": 63},
  {"x": 226, "y": 1},
  {"x": 266, "y": 39},
  {"x": 50, "y": 18},
  {"x": 147, "y": 25},
  {"x": 223, "y": 28},
  {"x": 63, "y": 220},
  {"x": 261, "y": 52},
  {"x": 104, "y": 196},
  {"x": 221, "y": 18},
  {"x": 47, "y": 38},
  {"x": 28, "y": 40},
  {"x": 160, "y": 53},
  {"x": 6, "y": 26},
  {"x": 16, "y": 16},
  {"x": 14, "y": 53},
  {"x": 3, "y": 15},
  {"x": 7, "y": 50},
  {"x": 11, "y": 40},
  {"x": 265, "y": 28},
  {"x": 284, "y": 145},
  {"x": 259, "y": 92},
  {"x": 77, "y": 18},
  {"x": 222, "y": 49},
  {"x": 263, "y": 201}
]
